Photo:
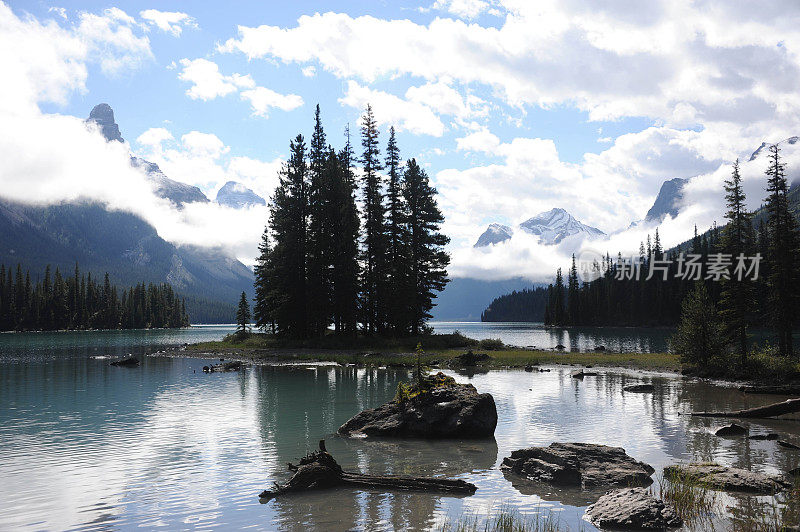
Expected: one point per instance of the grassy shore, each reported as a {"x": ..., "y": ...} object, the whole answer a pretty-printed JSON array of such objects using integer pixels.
[{"x": 439, "y": 350}]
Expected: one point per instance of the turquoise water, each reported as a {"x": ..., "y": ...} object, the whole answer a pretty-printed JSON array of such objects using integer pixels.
[{"x": 88, "y": 446}]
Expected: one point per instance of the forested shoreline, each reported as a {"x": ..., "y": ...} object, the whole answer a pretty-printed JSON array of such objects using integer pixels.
[
  {"x": 728, "y": 280},
  {"x": 527, "y": 305},
  {"x": 350, "y": 248},
  {"x": 51, "y": 301}
]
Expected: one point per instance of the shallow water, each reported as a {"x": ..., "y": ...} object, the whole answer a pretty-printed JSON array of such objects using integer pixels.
[{"x": 88, "y": 446}]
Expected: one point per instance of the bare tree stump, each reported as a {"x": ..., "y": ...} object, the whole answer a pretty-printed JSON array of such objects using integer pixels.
[{"x": 319, "y": 470}]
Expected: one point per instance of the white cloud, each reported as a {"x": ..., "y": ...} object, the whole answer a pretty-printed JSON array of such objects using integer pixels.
[
  {"x": 169, "y": 21},
  {"x": 482, "y": 140},
  {"x": 112, "y": 41},
  {"x": 310, "y": 71},
  {"x": 468, "y": 9},
  {"x": 405, "y": 115},
  {"x": 674, "y": 61},
  {"x": 208, "y": 82},
  {"x": 60, "y": 11},
  {"x": 263, "y": 99}
]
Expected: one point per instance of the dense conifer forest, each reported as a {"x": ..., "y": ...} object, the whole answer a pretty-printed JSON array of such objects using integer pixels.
[
  {"x": 356, "y": 250},
  {"x": 51, "y": 301},
  {"x": 524, "y": 305},
  {"x": 720, "y": 269}
]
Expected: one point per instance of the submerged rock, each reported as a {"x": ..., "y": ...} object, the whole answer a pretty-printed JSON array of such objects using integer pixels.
[
  {"x": 581, "y": 374},
  {"x": 731, "y": 430},
  {"x": 632, "y": 508},
  {"x": 728, "y": 478},
  {"x": 638, "y": 388},
  {"x": 579, "y": 464},
  {"x": 767, "y": 436},
  {"x": 456, "y": 411},
  {"x": 786, "y": 444},
  {"x": 128, "y": 362}
]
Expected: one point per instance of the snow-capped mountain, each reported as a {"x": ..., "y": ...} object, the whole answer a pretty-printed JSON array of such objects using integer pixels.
[
  {"x": 551, "y": 227},
  {"x": 494, "y": 233},
  {"x": 238, "y": 196},
  {"x": 178, "y": 193},
  {"x": 668, "y": 201}
]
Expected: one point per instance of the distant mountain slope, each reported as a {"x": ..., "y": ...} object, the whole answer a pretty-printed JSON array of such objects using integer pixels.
[
  {"x": 550, "y": 226},
  {"x": 178, "y": 193},
  {"x": 464, "y": 299},
  {"x": 238, "y": 196},
  {"x": 668, "y": 201},
  {"x": 120, "y": 243}
]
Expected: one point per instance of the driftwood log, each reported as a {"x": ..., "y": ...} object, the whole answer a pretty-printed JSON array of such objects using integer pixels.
[
  {"x": 319, "y": 470},
  {"x": 789, "y": 406}
]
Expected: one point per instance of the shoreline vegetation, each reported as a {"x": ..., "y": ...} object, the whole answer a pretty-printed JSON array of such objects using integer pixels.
[{"x": 443, "y": 349}]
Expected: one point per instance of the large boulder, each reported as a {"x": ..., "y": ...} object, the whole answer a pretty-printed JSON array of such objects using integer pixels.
[
  {"x": 585, "y": 465},
  {"x": 728, "y": 478},
  {"x": 456, "y": 411},
  {"x": 632, "y": 508}
]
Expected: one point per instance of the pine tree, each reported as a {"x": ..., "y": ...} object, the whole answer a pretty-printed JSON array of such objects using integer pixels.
[
  {"x": 243, "y": 315},
  {"x": 397, "y": 240},
  {"x": 737, "y": 297},
  {"x": 346, "y": 268},
  {"x": 320, "y": 235},
  {"x": 289, "y": 225},
  {"x": 265, "y": 297},
  {"x": 374, "y": 246},
  {"x": 698, "y": 337},
  {"x": 573, "y": 305},
  {"x": 783, "y": 253},
  {"x": 428, "y": 260}
]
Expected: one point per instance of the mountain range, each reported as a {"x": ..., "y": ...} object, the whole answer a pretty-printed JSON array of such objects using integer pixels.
[
  {"x": 123, "y": 244},
  {"x": 551, "y": 227}
]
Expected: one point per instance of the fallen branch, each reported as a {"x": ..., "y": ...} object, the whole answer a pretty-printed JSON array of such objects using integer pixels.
[
  {"x": 789, "y": 406},
  {"x": 319, "y": 470}
]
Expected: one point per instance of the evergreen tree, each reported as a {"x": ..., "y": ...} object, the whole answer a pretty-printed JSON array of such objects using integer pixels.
[
  {"x": 265, "y": 297},
  {"x": 397, "y": 241},
  {"x": 573, "y": 305},
  {"x": 783, "y": 253},
  {"x": 243, "y": 315},
  {"x": 347, "y": 225},
  {"x": 737, "y": 297},
  {"x": 320, "y": 232},
  {"x": 289, "y": 224},
  {"x": 428, "y": 260},
  {"x": 373, "y": 256},
  {"x": 698, "y": 338}
]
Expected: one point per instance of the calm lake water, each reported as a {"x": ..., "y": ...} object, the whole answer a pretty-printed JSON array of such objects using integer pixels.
[{"x": 87, "y": 446}]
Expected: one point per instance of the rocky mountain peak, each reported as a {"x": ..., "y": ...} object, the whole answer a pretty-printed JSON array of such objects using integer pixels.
[
  {"x": 238, "y": 196},
  {"x": 103, "y": 115}
]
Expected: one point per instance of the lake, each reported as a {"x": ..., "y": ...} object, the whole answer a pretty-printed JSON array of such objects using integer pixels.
[{"x": 88, "y": 446}]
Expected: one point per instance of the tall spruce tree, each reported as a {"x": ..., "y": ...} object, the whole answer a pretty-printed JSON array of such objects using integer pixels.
[
  {"x": 373, "y": 282},
  {"x": 243, "y": 315},
  {"x": 573, "y": 305},
  {"x": 783, "y": 253},
  {"x": 264, "y": 304},
  {"x": 289, "y": 225},
  {"x": 737, "y": 297},
  {"x": 397, "y": 241},
  {"x": 320, "y": 232},
  {"x": 428, "y": 260}
]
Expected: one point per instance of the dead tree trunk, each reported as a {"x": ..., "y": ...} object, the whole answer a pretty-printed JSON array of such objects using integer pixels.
[
  {"x": 789, "y": 406},
  {"x": 319, "y": 470}
]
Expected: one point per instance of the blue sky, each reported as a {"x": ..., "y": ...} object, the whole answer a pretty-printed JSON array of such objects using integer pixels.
[{"x": 514, "y": 107}]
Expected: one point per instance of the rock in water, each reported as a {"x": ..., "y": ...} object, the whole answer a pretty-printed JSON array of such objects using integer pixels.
[
  {"x": 731, "y": 430},
  {"x": 638, "y": 388},
  {"x": 457, "y": 411},
  {"x": 579, "y": 464},
  {"x": 129, "y": 362},
  {"x": 632, "y": 508},
  {"x": 728, "y": 478}
]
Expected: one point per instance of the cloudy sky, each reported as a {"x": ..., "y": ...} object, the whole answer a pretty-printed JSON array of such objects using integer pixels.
[{"x": 513, "y": 107}]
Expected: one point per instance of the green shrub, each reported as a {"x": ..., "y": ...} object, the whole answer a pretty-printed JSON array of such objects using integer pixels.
[{"x": 491, "y": 344}]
